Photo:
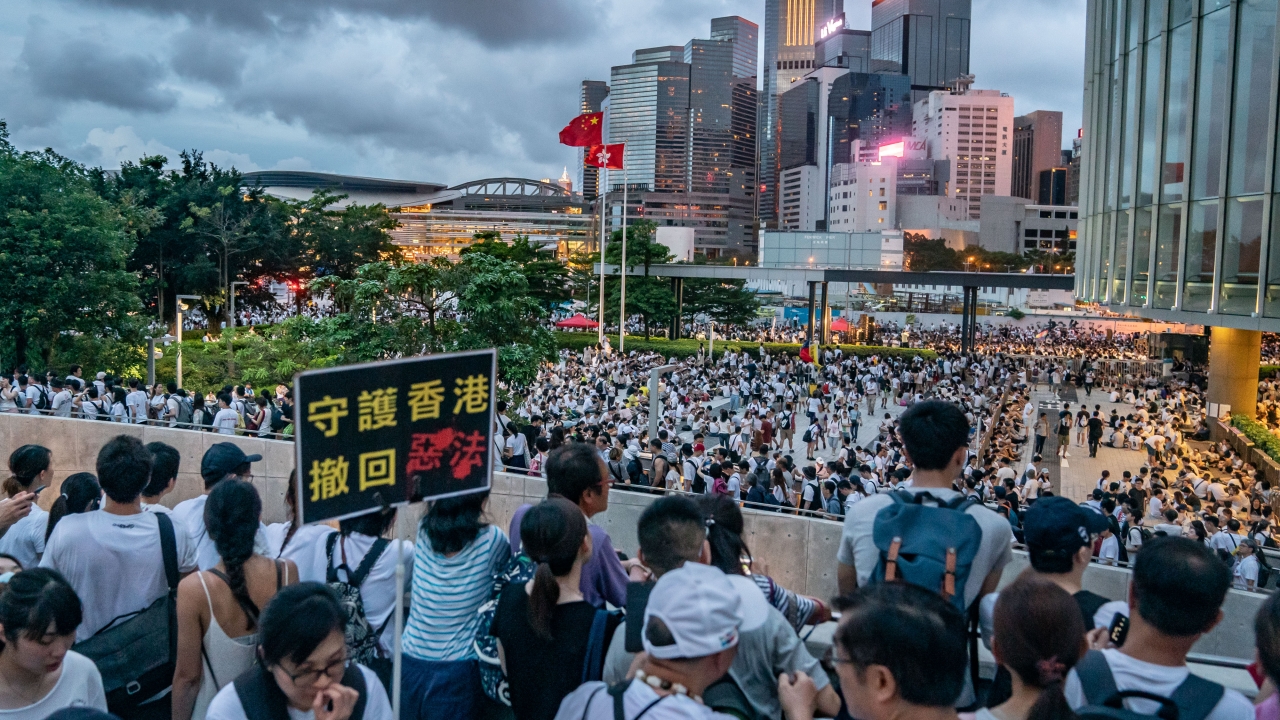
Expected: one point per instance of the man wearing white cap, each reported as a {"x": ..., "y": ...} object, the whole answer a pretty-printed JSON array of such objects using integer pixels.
[{"x": 690, "y": 637}]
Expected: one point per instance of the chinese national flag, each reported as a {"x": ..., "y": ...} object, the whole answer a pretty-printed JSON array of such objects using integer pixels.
[
  {"x": 605, "y": 156},
  {"x": 584, "y": 131}
]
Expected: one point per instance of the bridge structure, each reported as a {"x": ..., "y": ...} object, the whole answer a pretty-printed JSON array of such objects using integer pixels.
[{"x": 818, "y": 279}]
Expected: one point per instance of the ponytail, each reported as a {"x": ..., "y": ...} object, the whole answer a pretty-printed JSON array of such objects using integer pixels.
[
  {"x": 80, "y": 493},
  {"x": 25, "y": 463},
  {"x": 551, "y": 533},
  {"x": 291, "y": 499},
  {"x": 232, "y": 514},
  {"x": 729, "y": 551},
  {"x": 1051, "y": 704}
]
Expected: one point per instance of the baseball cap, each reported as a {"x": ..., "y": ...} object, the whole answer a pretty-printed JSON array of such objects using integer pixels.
[
  {"x": 223, "y": 458},
  {"x": 699, "y": 607},
  {"x": 1056, "y": 523}
]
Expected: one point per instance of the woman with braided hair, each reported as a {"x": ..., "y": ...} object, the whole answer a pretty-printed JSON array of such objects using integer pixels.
[{"x": 218, "y": 609}]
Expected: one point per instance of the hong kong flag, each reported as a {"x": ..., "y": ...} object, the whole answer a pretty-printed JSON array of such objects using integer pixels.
[
  {"x": 584, "y": 131},
  {"x": 605, "y": 156}
]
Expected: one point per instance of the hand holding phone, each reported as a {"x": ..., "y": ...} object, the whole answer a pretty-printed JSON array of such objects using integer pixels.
[{"x": 1119, "y": 629}]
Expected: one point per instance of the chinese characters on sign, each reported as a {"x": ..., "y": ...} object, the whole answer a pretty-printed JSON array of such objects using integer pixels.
[{"x": 389, "y": 433}]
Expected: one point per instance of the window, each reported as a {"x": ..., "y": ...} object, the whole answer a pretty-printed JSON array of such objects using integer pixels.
[
  {"x": 1030, "y": 233},
  {"x": 1046, "y": 214},
  {"x": 1061, "y": 215},
  {"x": 881, "y": 192},
  {"x": 884, "y": 205},
  {"x": 1074, "y": 215}
]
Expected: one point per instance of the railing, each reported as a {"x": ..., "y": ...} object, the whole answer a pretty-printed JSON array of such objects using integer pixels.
[{"x": 192, "y": 427}]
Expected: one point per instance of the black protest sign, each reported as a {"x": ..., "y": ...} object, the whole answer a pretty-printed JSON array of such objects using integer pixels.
[{"x": 388, "y": 433}]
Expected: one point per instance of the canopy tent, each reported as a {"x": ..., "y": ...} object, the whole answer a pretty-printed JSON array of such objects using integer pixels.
[
  {"x": 579, "y": 321},
  {"x": 839, "y": 325}
]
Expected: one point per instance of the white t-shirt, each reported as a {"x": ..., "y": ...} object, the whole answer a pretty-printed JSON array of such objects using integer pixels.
[
  {"x": 634, "y": 701},
  {"x": 226, "y": 704},
  {"x": 114, "y": 563},
  {"x": 1131, "y": 674},
  {"x": 25, "y": 540},
  {"x": 80, "y": 685},
  {"x": 1110, "y": 551},
  {"x": 226, "y": 420},
  {"x": 1246, "y": 569},
  {"x": 379, "y": 588},
  {"x": 300, "y": 549},
  {"x": 191, "y": 514},
  {"x": 136, "y": 402},
  {"x": 857, "y": 548}
]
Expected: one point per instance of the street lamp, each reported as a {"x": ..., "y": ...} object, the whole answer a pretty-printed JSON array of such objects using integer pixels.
[
  {"x": 233, "y": 300},
  {"x": 152, "y": 354},
  {"x": 178, "y": 361}
]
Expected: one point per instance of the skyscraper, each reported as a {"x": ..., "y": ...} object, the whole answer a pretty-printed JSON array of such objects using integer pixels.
[
  {"x": 971, "y": 129},
  {"x": 1037, "y": 146},
  {"x": 791, "y": 28},
  {"x": 925, "y": 39},
  {"x": 590, "y": 99},
  {"x": 688, "y": 119}
]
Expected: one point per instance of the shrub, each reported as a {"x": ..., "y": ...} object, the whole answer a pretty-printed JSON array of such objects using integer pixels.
[{"x": 1258, "y": 434}]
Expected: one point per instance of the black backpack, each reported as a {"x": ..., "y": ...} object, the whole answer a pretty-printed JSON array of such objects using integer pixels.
[
  {"x": 1194, "y": 699},
  {"x": 277, "y": 419},
  {"x": 362, "y": 638},
  {"x": 262, "y": 698}
]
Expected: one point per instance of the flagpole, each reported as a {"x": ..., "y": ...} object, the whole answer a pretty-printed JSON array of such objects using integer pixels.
[
  {"x": 622, "y": 269},
  {"x": 604, "y": 208}
]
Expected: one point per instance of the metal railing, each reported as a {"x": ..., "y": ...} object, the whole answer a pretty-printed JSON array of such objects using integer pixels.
[{"x": 151, "y": 422}]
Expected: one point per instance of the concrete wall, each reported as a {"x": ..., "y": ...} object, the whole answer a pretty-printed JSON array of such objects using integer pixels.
[{"x": 797, "y": 552}]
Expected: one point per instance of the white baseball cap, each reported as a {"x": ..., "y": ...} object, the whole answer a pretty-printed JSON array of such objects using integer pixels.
[{"x": 701, "y": 609}]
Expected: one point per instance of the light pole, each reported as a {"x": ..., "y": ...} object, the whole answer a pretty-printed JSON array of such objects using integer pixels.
[
  {"x": 233, "y": 300},
  {"x": 152, "y": 355},
  {"x": 178, "y": 361}
]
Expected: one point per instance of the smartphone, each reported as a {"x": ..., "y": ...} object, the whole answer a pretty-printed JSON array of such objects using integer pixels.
[
  {"x": 1119, "y": 629},
  {"x": 37, "y": 490}
]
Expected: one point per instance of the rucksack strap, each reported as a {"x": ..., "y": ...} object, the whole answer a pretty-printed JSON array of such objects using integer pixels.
[
  {"x": 356, "y": 579},
  {"x": 1197, "y": 697},
  {"x": 1096, "y": 681},
  {"x": 168, "y": 550},
  {"x": 619, "y": 710},
  {"x": 593, "y": 659}
]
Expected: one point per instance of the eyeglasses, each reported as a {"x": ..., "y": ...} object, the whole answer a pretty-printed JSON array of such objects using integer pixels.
[{"x": 335, "y": 670}]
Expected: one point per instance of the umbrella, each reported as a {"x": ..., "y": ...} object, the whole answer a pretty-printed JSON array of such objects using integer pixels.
[
  {"x": 840, "y": 325},
  {"x": 578, "y": 321}
]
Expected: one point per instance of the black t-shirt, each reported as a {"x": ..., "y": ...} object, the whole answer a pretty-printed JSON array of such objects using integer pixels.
[
  {"x": 1089, "y": 604},
  {"x": 1095, "y": 427},
  {"x": 1064, "y": 423},
  {"x": 540, "y": 672}
]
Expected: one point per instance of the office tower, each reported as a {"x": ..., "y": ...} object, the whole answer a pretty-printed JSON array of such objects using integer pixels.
[
  {"x": 873, "y": 108},
  {"x": 1051, "y": 186},
  {"x": 863, "y": 196},
  {"x": 688, "y": 121},
  {"x": 927, "y": 40},
  {"x": 1072, "y": 160},
  {"x": 844, "y": 48},
  {"x": 790, "y": 30},
  {"x": 1037, "y": 146},
  {"x": 971, "y": 129},
  {"x": 591, "y": 97}
]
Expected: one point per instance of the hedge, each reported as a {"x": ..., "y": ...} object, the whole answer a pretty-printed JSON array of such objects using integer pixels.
[
  {"x": 689, "y": 347},
  {"x": 1258, "y": 434},
  {"x": 1266, "y": 372}
]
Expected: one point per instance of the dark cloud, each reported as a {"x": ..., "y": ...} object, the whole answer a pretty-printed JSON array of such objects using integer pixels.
[
  {"x": 494, "y": 23},
  {"x": 208, "y": 54},
  {"x": 85, "y": 69}
]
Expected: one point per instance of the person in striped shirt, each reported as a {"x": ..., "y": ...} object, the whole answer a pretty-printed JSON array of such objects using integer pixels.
[{"x": 455, "y": 558}]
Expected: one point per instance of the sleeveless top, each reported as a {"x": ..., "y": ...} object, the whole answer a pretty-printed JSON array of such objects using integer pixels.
[{"x": 223, "y": 658}]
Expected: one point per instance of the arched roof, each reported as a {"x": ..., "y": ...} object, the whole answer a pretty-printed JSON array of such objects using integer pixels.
[{"x": 509, "y": 186}]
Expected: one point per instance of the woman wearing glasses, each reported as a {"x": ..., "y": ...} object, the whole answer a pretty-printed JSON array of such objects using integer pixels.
[{"x": 302, "y": 671}]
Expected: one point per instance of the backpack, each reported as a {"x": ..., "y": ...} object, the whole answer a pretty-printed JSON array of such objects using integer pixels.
[
  {"x": 932, "y": 547},
  {"x": 786, "y": 421},
  {"x": 277, "y": 419},
  {"x": 262, "y": 698},
  {"x": 808, "y": 434},
  {"x": 102, "y": 414},
  {"x": 136, "y": 653},
  {"x": 1194, "y": 699},
  {"x": 362, "y": 639},
  {"x": 42, "y": 399},
  {"x": 492, "y": 679},
  {"x": 186, "y": 409}
]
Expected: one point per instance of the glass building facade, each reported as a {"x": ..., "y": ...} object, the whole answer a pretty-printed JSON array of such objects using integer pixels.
[{"x": 1179, "y": 176}]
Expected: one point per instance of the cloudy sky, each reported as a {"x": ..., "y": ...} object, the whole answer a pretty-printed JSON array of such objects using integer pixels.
[{"x": 437, "y": 90}]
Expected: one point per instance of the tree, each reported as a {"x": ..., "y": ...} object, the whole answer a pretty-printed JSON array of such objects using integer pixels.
[
  {"x": 647, "y": 297},
  {"x": 337, "y": 241},
  {"x": 548, "y": 278},
  {"x": 727, "y": 302},
  {"x": 924, "y": 255},
  {"x": 63, "y": 248}
]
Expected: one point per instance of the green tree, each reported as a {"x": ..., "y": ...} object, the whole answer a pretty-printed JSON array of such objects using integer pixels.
[
  {"x": 924, "y": 255},
  {"x": 548, "y": 278},
  {"x": 648, "y": 297},
  {"x": 63, "y": 248},
  {"x": 727, "y": 302},
  {"x": 337, "y": 241}
]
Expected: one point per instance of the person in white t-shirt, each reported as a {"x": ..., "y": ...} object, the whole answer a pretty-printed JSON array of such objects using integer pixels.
[
  {"x": 42, "y": 674},
  {"x": 303, "y": 655},
  {"x": 1245, "y": 573},
  {"x": 63, "y": 399},
  {"x": 32, "y": 469},
  {"x": 221, "y": 461},
  {"x": 1175, "y": 598},
  {"x": 135, "y": 403},
  {"x": 226, "y": 420}
]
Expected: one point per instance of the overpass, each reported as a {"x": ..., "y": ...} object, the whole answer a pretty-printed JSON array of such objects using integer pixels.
[{"x": 818, "y": 279}]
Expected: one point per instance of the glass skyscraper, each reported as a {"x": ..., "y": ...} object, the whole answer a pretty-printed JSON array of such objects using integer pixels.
[
  {"x": 925, "y": 39},
  {"x": 1179, "y": 174}
]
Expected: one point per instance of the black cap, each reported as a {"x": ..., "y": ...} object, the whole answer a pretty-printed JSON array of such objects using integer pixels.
[
  {"x": 1056, "y": 523},
  {"x": 223, "y": 458}
]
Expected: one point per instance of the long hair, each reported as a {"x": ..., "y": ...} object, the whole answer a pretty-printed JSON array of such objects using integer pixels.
[
  {"x": 80, "y": 493},
  {"x": 551, "y": 533},
  {"x": 1039, "y": 635},
  {"x": 724, "y": 533},
  {"x": 291, "y": 499},
  {"x": 25, "y": 464},
  {"x": 36, "y": 599},
  {"x": 232, "y": 515}
]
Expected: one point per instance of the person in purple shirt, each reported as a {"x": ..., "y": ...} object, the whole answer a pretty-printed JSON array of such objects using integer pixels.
[{"x": 576, "y": 473}]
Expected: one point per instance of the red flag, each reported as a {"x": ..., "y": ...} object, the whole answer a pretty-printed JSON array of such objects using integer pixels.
[
  {"x": 605, "y": 156},
  {"x": 583, "y": 131}
]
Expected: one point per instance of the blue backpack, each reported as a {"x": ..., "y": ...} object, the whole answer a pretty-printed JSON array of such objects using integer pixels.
[{"x": 927, "y": 545}]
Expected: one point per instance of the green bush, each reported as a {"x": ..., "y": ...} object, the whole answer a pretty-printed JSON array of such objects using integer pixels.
[
  {"x": 688, "y": 347},
  {"x": 1266, "y": 372},
  {"x": 1259, "y": 435}
]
